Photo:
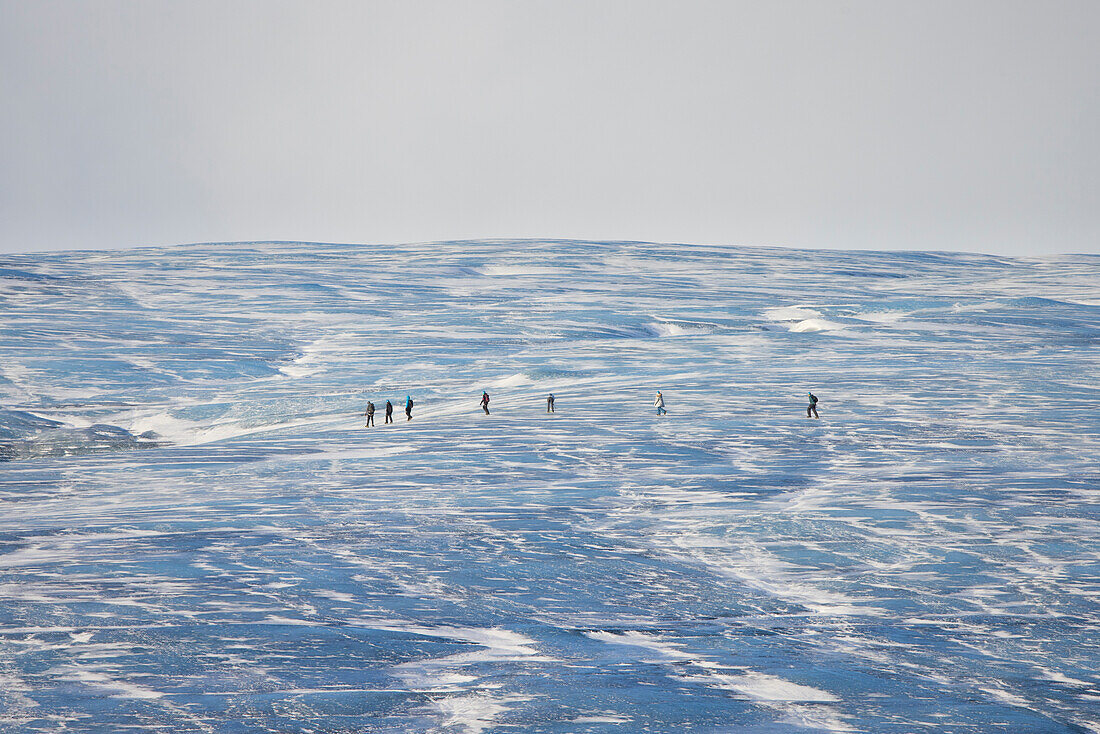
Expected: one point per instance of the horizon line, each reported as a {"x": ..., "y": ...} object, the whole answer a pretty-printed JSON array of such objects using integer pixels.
[{"x": 562, "y": 240}]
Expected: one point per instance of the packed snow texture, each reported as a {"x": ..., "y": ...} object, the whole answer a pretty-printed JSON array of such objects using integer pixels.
[{"x": 197, "y": 534}]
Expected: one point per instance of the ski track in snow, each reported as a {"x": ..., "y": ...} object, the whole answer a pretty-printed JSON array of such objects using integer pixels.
[{"x": 197, "y": 534}]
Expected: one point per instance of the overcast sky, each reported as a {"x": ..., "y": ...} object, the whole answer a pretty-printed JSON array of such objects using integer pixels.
[{"x": 872, "y": 124}]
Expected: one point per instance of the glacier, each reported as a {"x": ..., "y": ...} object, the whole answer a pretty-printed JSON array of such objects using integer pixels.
[{"x": 197, "y": 534}]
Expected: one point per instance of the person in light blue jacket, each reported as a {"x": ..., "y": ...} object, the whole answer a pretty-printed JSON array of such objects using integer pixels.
[
  {"x": 408, "y": 408},
  {"x": 659, "y": 401}
]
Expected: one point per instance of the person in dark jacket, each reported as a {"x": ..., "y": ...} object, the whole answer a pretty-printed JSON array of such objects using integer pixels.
[
  {"x": 485, "y": 402},
  {"x": 812, "y": 407},
  {"x": 370, "y": 414},
  {"x": 389, "y": 412},
  {"x": 550, "y": 403},
  {"x": 408, "y": 407}
]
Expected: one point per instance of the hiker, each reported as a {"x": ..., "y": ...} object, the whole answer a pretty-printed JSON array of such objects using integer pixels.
[
  {"x": 812, "y": 407},
  {"x": 550, "y": 403},
  {"x": 408, "y": 408},
  {"x": 389, "y": 412},
  {"x": 370, "y": 414},
  {"x": 485, "y": 402},
  {"x": 659, "y": 401}
]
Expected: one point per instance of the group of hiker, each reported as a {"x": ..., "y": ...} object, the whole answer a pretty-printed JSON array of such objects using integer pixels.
[
  {"x": 658, "y": 401},
  {"x": 389, "y": 411}
]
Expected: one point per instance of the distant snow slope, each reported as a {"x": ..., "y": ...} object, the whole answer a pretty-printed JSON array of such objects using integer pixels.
[{"x": 197, "y": 534}]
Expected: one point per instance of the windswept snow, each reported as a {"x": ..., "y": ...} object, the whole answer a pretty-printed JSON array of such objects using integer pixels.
[{"x": 198, "y": 534}]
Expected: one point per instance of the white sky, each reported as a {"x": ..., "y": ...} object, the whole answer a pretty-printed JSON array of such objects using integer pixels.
[{"x": 874, "y": 124}]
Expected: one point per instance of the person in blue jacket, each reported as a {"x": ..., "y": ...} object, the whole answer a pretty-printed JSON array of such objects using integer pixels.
[
  {"x": 812, "y": 407},
  {"x": 408, "y": 408}
]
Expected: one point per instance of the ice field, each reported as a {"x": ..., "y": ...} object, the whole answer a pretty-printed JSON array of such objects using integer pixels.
[{"x": 197, "y": 534}]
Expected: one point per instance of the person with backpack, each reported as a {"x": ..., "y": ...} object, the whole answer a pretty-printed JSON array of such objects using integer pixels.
[
  {"x": 408, "y": 407},
  {"x": 370, "y": 414},
  {"x": 659, "y": 401},
  {"x": 550, "y": 403},
  {"x": 389, "y": 412},
  {"x": 812, "y": 406},
  {"x": 485, "y": 402}
]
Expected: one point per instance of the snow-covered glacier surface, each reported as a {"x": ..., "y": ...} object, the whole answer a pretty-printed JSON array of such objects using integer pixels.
[{"x": 197, "y": 534}]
